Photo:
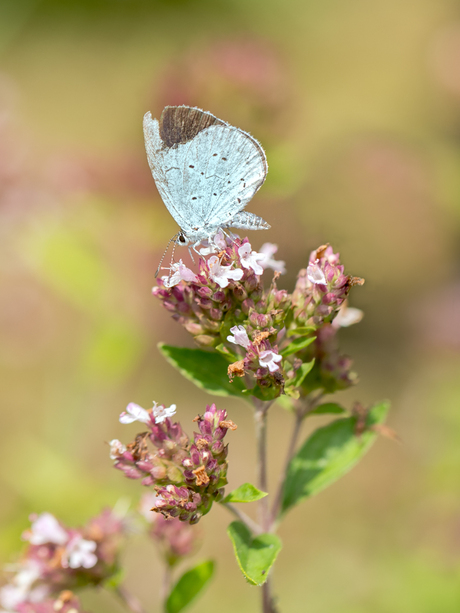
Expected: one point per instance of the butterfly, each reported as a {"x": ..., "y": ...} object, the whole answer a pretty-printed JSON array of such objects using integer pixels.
[{"x": 205, "y": 170}]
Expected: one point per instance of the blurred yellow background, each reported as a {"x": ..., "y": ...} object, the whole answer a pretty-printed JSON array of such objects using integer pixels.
[{"x": 357, "y": 104}]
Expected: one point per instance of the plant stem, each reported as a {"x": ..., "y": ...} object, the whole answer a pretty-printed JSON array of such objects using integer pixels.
[
  {"x": 260, "y": 418},
  {"x": 245, "y": 519},
  {"x": 289, "y": 456},
  {"x": 166, "y": 585},
  {"x": 268, "y": 605},
  {"x": 130, "y": 601}
]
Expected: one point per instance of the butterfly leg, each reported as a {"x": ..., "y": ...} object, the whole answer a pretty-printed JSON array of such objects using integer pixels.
[{"x": 248, "y": 221}]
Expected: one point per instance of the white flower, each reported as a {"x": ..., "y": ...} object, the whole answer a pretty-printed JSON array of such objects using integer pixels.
[
  {"x": 134, "y": 413},
  {"x": 268, "y": 359},
  {"x": 347, "y": 316},
  {"x": 46, "y": 529},
  {"x": 215, "y": 244},
  {"x": 223, "y": 274},
  {"x": 80, "y": 553},
  {"x": 161, "y": 412},
  {"x": 178, "y": 272},
  {"x": 240, "y": 336},
  {"x": 250, "y": 259},
  {"x": 19, "y": 589},
  {"x": 268, "y": 250},
  {"x": 315, "y": 274},
  {"x": 116, "y": 449}
]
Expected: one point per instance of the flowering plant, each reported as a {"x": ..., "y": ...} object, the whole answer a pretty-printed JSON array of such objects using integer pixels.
[{"x": 257, "y": 343}]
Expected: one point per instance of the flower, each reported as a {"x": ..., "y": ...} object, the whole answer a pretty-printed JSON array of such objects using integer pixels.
[
  {"x": 222, "y": 275},
  {"x": 250, "y": 259},
  {"x": 217, "y": 243},
  {"x": 161, "y": 412},
  {"x": 80, "y": 553},
  {"x": 180, "y": 272},
  {"x": 134, "y": 413},
  {"x": 268, "y": 250},
  {"x": 347, "y": 316},
  {"x": 46, "y": 529},
  {"x": 20, "y": 588},
  {"x": 269, "y": 359},
  {"x": 116, "y": 449},
  {"x": 240, "y": 336},
  {"x": 315, "y": 274}
]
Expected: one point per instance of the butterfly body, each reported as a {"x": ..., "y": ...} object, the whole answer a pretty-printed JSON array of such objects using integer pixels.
[{"x": 206, "y": 171}]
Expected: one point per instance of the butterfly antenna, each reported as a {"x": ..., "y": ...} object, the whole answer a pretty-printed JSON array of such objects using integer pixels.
[{"x": 164, "y": 254}]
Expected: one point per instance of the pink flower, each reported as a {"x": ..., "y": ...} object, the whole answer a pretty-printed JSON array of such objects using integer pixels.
[
  {"x": 250, "y": 259},
  {"x": 161, "y": 412},
  {"x": 134, "y": 413},
  {"x": 217, "y": 243},
  {"x": 20, "y": 588},
  {"x": 240, "y": 336},
  {"x": 268, "y": 250},
  {"x": 315, "y": 274},
  {"x": 269, "y": 359},
  {"x": 46, "y": 529},
  {"x": 180, "y": 272},
  {"x": 222, "y": 275},
  {"x": 80, "y": 553},
  {"x": 116, "y": 449}
]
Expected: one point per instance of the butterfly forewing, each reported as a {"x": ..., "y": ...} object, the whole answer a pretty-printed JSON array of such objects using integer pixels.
[{"x": 206, "y": 171}]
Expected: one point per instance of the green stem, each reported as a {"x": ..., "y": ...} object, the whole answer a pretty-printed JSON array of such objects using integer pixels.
[
  {"x": 245, "y": 519},
  {"x": 130, "y": 601}
]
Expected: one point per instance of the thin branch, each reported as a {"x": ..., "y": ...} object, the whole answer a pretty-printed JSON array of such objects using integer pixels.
[
  {"x": 268, "y": 602},
  {"x": 166, "y": 585},
  {"x": 245, "y": 519},
  {"x": 290, "y": 454},
  {"x": 130, "y": 601},
  {"x": 260, "y": 418}
]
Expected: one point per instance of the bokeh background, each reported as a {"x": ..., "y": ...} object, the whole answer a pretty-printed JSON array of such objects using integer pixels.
[{"x": 357, "y": 104}]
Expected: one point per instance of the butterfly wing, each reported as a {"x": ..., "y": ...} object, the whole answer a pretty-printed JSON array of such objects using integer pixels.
[{"x": 205, "y": 170}]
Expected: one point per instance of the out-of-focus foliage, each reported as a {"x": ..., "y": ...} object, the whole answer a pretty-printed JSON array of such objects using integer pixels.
[{"x": 358, "y": 106}]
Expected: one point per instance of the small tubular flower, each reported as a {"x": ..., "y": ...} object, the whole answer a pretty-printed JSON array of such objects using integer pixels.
[
  {"x": 251, "y": 259},
  {"x": 270, "y": 359},
  {"x": 134, "y": 413},
  {"x": 222, "y": 275},
  {"x": 240, "y": 336}
]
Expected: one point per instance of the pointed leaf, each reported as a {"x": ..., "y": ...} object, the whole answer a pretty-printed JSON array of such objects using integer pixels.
[
  {"x": 328, "y": 408},
  {"x": 302, "y": 372},
  {"x": 255, "y": 556},
  {"x": 205, "y": 369},
  {"x": 301, "y": 331},
  {"x": 329, "y": 453},
  {"x": 245, "y": 493},
  {"x": 296, "y": 345},
  {"x": 189, "y": 586}
]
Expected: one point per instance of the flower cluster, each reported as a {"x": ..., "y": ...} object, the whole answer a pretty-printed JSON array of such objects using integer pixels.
[
  {"x": 175, "y": 539},
  {"x": 265, "y": 333},
  {"x": 59, "y": 558},
  {"x": 187, "y": 476}
]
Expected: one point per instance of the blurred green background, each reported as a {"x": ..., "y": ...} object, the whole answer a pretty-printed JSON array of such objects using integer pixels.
[{"x": 357, "y": 104}]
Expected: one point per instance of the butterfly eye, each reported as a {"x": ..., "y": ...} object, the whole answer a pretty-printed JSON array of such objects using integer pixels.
[{"x": 181, "y": 239}]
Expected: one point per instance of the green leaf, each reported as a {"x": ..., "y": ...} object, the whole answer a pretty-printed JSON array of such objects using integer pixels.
[
  {"x": 328, "y": 408},
  {"x": 255, "y": 556},
  {"x": 189, "y": 586},
  {"x": 302, "y": 372},
  {"x": 327, "y": 455},
  {"x": 245, "y": 493},
  {"x": 206, "y": 370},
  {"x": 296, "y": 345},
  {"x": 301, "y": 331},
  {"x": 228, "y": 355}
]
